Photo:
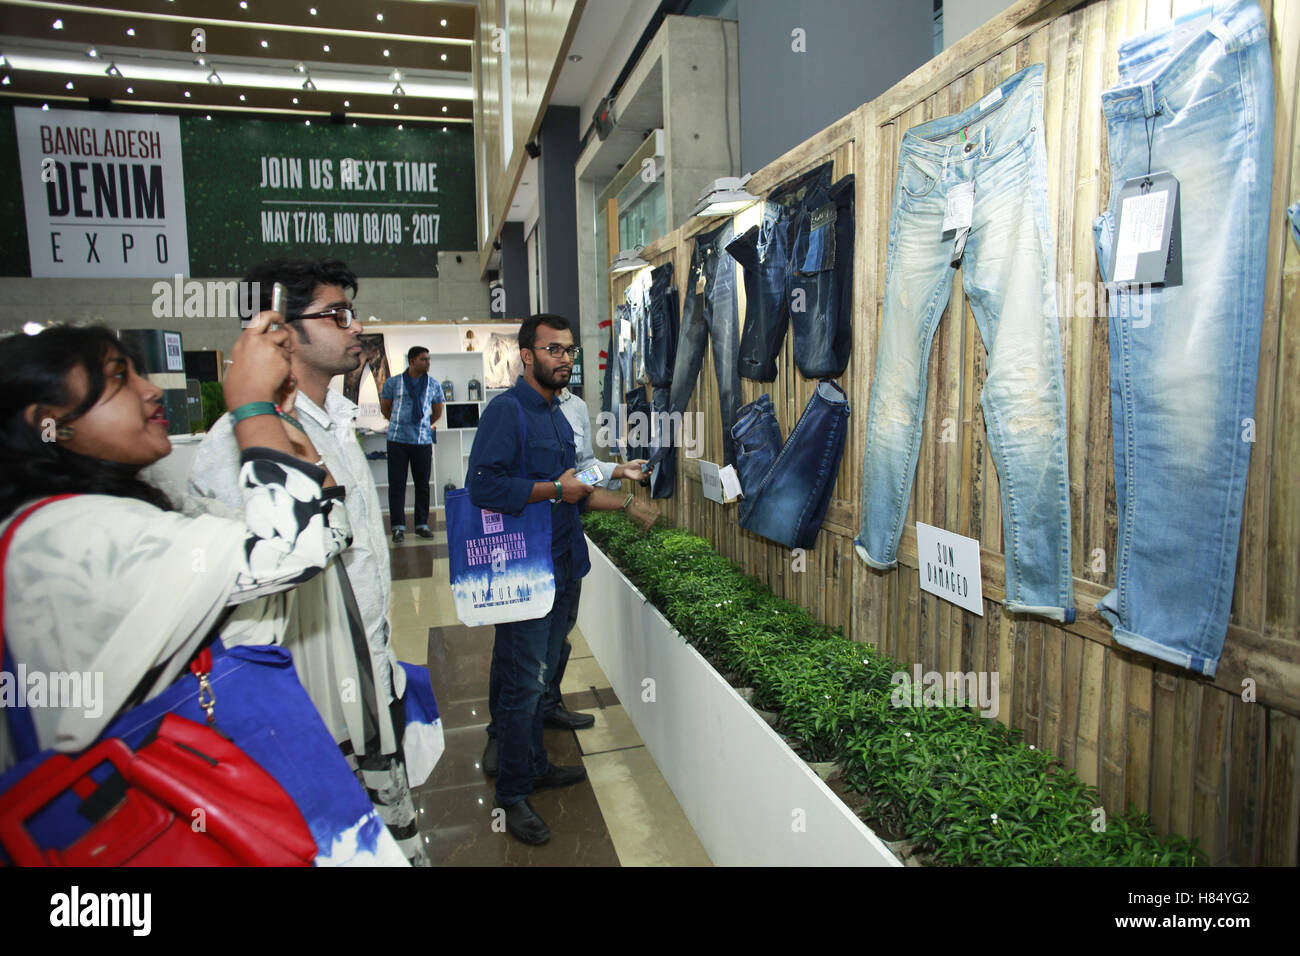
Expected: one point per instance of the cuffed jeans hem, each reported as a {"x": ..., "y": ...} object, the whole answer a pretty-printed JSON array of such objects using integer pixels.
[
  {"x": 1065, "y": 615},
  {"x": 1144, "y": 645},
  {"x": 872, "y": 562}
]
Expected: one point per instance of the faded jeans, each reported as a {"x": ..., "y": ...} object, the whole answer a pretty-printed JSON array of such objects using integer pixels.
[
  {"x": 1009, "y": 278},
  {"x": 1184, "y": 358}
]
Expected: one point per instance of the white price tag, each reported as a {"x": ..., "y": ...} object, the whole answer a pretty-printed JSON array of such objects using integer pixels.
[
  {"x": 1141, "y": 229},
  {"x": 950, "y": 567},
  {"x": 990, "y": 99},
  {"x": 957, "y": 215},
  {"x": 730, "y": 482}
]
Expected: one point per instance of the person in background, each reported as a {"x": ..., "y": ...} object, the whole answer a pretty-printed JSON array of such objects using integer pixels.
[
  {"x": 326, "y": 336},
  {"x": 555, "y": 714},
  {"x": 506, "y": 474},
  {"x": 412, "y": 402}
]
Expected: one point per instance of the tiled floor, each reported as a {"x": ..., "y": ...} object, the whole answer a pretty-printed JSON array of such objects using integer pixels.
[{"x": 623, "y": 814}]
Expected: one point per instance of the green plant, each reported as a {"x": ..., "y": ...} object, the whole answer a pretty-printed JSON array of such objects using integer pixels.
[
  {"x": 964, "y": 789},
  {"x": 214, "y": 402}
]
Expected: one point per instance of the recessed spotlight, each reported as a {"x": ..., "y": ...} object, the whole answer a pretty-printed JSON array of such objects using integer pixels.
[
  {"x": 199, "y": 61},
  {"x": 347, "y": 105},
  {"x": 398, "y": 91},
  {"x": 300, "y": 68},
  {"x": 444, "y": 22},
  {"x": 130, "y": 31},
  {"x": 444, "y": 109},
  {"x": 385, "y": 53},
  {"x": 326, "y": 47},
  {"x": 309, "y": 86},
  {"x": 575, "y": 57},
  {"x": 187, "y": 94},
  {"x": 312, "y": 11},
  {"x": 396, "y": 106},
  {"x": 5, "y": 80},
  {"x": 209, "y": 116},
  {"x": 399, "y": 125},
  {"x": 444, "y": 56},
  {"x": 396, "y": 75},
  {"x": 58, "y": 25},
  {"x": 243, "y": 4},
  {"x": 444, "y": 129},
  {"x": 265, "y": 44},
  {"x": 379, "y": 17},
  {"x": 241, "y": 97},
  {"x": 424, "y": 318},
  {"x": 92, "y": 53},
  {"x": 213, "y": 78},
  {"x": 308, "y": 122},
  {"x": 354, "y": 125},
  {"x": 130, "y": 89},
  {"x": 45, "y": 106},
  {"x": 113, "y": 70},
  {"x": 295, "y": 101},
  {"x": 3, "y": 61},
  {"x": 68, "y": 85}
]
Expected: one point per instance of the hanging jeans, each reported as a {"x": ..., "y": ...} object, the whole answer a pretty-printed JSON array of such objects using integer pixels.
[
  {"x": 1184, "y": 359},
  {"x": 821, "y": 280},
  {"x": 788, "y": 487},
  {"x": 1009, "y": 276},
  {"x": 664, "y": 326},
  {"x": 710, "y": 315}
]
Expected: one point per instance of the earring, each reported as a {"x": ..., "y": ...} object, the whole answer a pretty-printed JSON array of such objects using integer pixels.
[{"x": 63, "y": 432}]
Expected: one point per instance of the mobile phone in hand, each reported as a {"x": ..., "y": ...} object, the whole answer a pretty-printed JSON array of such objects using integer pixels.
[
  {"x": 279, "y": 300},
  {"x": 589, "y": 476}
]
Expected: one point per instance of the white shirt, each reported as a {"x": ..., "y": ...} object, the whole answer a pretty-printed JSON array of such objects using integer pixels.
[
  {"x": 215, "y": 474},
  {"x": 575, "y": 410}
]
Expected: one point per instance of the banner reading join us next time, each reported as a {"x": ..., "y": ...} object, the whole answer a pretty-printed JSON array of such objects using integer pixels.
[
  {"x": 104, "y": 194},
  {"x": 381, "y": 199}
]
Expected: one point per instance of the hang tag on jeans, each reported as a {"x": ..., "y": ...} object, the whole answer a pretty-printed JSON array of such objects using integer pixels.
[
  {"x": 960, "y": 210},
  {"x": 1148, "y": 232}
]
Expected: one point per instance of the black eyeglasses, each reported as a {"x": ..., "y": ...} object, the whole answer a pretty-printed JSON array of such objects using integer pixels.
[
  {"x": 343, "y": 317},
  {"x": 555, "y": 351}
]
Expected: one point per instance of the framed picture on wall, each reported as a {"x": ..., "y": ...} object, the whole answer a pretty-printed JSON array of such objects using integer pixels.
[{"x": 502, "y": 361}]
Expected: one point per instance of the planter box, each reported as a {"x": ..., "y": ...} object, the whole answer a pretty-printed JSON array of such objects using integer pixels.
[{"x": 750, "y": 798}]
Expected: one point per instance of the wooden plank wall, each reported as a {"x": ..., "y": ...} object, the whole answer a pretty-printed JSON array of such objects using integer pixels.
[{"x": 1189, "y": 751}]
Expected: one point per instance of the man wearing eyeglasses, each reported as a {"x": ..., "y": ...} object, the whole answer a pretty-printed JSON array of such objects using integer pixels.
[
  {"x": 412, "y": 403},
  {"x": 507, "y": 473},
  {"x": 326, "y": 342}
]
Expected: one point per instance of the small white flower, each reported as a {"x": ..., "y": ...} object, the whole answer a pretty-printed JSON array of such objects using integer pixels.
[
  {"x": 907, "y": 733},
  {"x": 994, "y": 817},
  {"x": 1032, "y": 747}
]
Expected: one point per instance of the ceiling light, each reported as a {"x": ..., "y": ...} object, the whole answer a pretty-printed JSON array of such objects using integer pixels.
[
  {"x": 187, "y": 94},
  {"x": 57, "y": 24},
  {"x": 309, "y": 85},
  {"x": 724, "y": 196},
  {"x": 45, "y": 106},
  {"x": 326, "y": 48},
  {"x": 399, "y": 125},
  {"x": 395, "y": 106},
  {"x": 243, "y": 4},
  {"x": 112, "y": 69},
  {"x": 444, "y": 23},
  {"x": 385, "y": 53},
  {"x": 424, "y": 318},
  {"x": 5, "y": 80},
  {"x": 209, "y": 116},
  {"x": 347, "y": 105},
  {"x": 308, "y": 122},
  {"x": 301, "y": 67},
  {"x": 575, "y": 57},
  {"x": 213, "y": 78},
  {"x": 295, "y": 101},
  {"x": 68, "y": 85},
  {"x": 398, "y": 91},
  {"x": 241, "y": 97},
  {"x": 396, "y": 75},
  {"x": 444, "y": 56},
  {"x": 265, "y": 44},
  {"x": 199, "y": 61},
  {"x": 130, "y": 89},
  {"x": 354, "y": 125},
  {"x": 444, "y": 129},
  {"x": 312, "y": 11},
  {"x": 92, "y": 53},
  {"x": 379, "y": 17},
  {"x": 130, "y": 31},
  {"x": 3, "y": 61},
  {"x": 444, "y": 109}
]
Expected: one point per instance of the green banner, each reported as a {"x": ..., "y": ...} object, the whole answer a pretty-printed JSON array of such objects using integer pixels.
[{"x": 381, "y": 199}]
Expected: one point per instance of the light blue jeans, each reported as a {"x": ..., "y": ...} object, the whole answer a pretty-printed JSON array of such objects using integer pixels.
[
  {"x": 1183, "y": 359},
  {"x": 1010, "y": 279}
]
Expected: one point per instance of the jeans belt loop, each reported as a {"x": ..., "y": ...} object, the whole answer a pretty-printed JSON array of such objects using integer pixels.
[
  {"x": 1231, "y": 39},
  {"x": 1148, "y": 100}
]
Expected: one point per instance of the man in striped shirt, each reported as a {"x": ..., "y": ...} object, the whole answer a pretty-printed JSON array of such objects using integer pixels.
[{"x": 412, "y": 403}]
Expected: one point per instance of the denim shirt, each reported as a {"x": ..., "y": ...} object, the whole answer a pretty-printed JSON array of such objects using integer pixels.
[{"x": 494, "y": 479}]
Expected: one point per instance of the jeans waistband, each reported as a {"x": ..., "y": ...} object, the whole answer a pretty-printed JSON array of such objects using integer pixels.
[
  {"x": 1157, "y": 63},
  {"x": 714, "y": 239},
  {"x": 997, "y": 125}
]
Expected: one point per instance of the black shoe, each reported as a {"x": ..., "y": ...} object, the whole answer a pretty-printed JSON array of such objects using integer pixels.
[
  {"x": 490, "y": 765},
  {"x": 423, "y": 531},
  {"x": 559, "y": 777},
  {"x": 525, "y": 825},
  {"x": 564, "y": 719},
  {"x": 399, "y": 535}
]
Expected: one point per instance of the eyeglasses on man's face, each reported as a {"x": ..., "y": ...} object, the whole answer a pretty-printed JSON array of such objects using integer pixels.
[
  {"x": 343, "y": 317},
  {"x": 555, "y": 350}
]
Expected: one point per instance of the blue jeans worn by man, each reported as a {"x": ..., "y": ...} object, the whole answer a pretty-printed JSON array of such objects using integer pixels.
[
  {"x": 997, "y": 148},
  {"x": 1184, "y": 358}
]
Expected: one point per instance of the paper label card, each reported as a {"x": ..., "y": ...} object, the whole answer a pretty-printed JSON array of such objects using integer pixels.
[
  {"x": 960, "y": 209},
  {"x": 990, "y": 99},
  {"x": 717, "y": 482},
  {"x": 730, "y": 482},
  {"x": 1148, "y": 233},
  {"x": 950, "y": 567}
]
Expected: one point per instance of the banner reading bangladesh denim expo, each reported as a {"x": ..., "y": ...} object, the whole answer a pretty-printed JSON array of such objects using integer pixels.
[{"x": 501, "y": 568}]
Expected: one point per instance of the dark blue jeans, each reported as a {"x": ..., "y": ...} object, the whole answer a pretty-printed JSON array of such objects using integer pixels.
[
  {"x": 758, "y": 442},
  {"x": 821, "y": 280},
  {"x": 552, "y": 699},
  {"x": 524, "y": 657},
  {"x": 789, "y": 501},
  {"x": 711, "y": 314},
  {"x": 419, "y": 458},
  {"x": 664, "y": 323}
]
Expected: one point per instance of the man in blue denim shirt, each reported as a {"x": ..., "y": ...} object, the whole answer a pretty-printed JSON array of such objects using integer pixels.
[
  {"x": 504, "y": 477},
  {"x": 412, "y": 403}
]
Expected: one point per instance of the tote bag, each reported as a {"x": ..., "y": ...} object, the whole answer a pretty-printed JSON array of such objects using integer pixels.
[{"x": 501, "y": 568}]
